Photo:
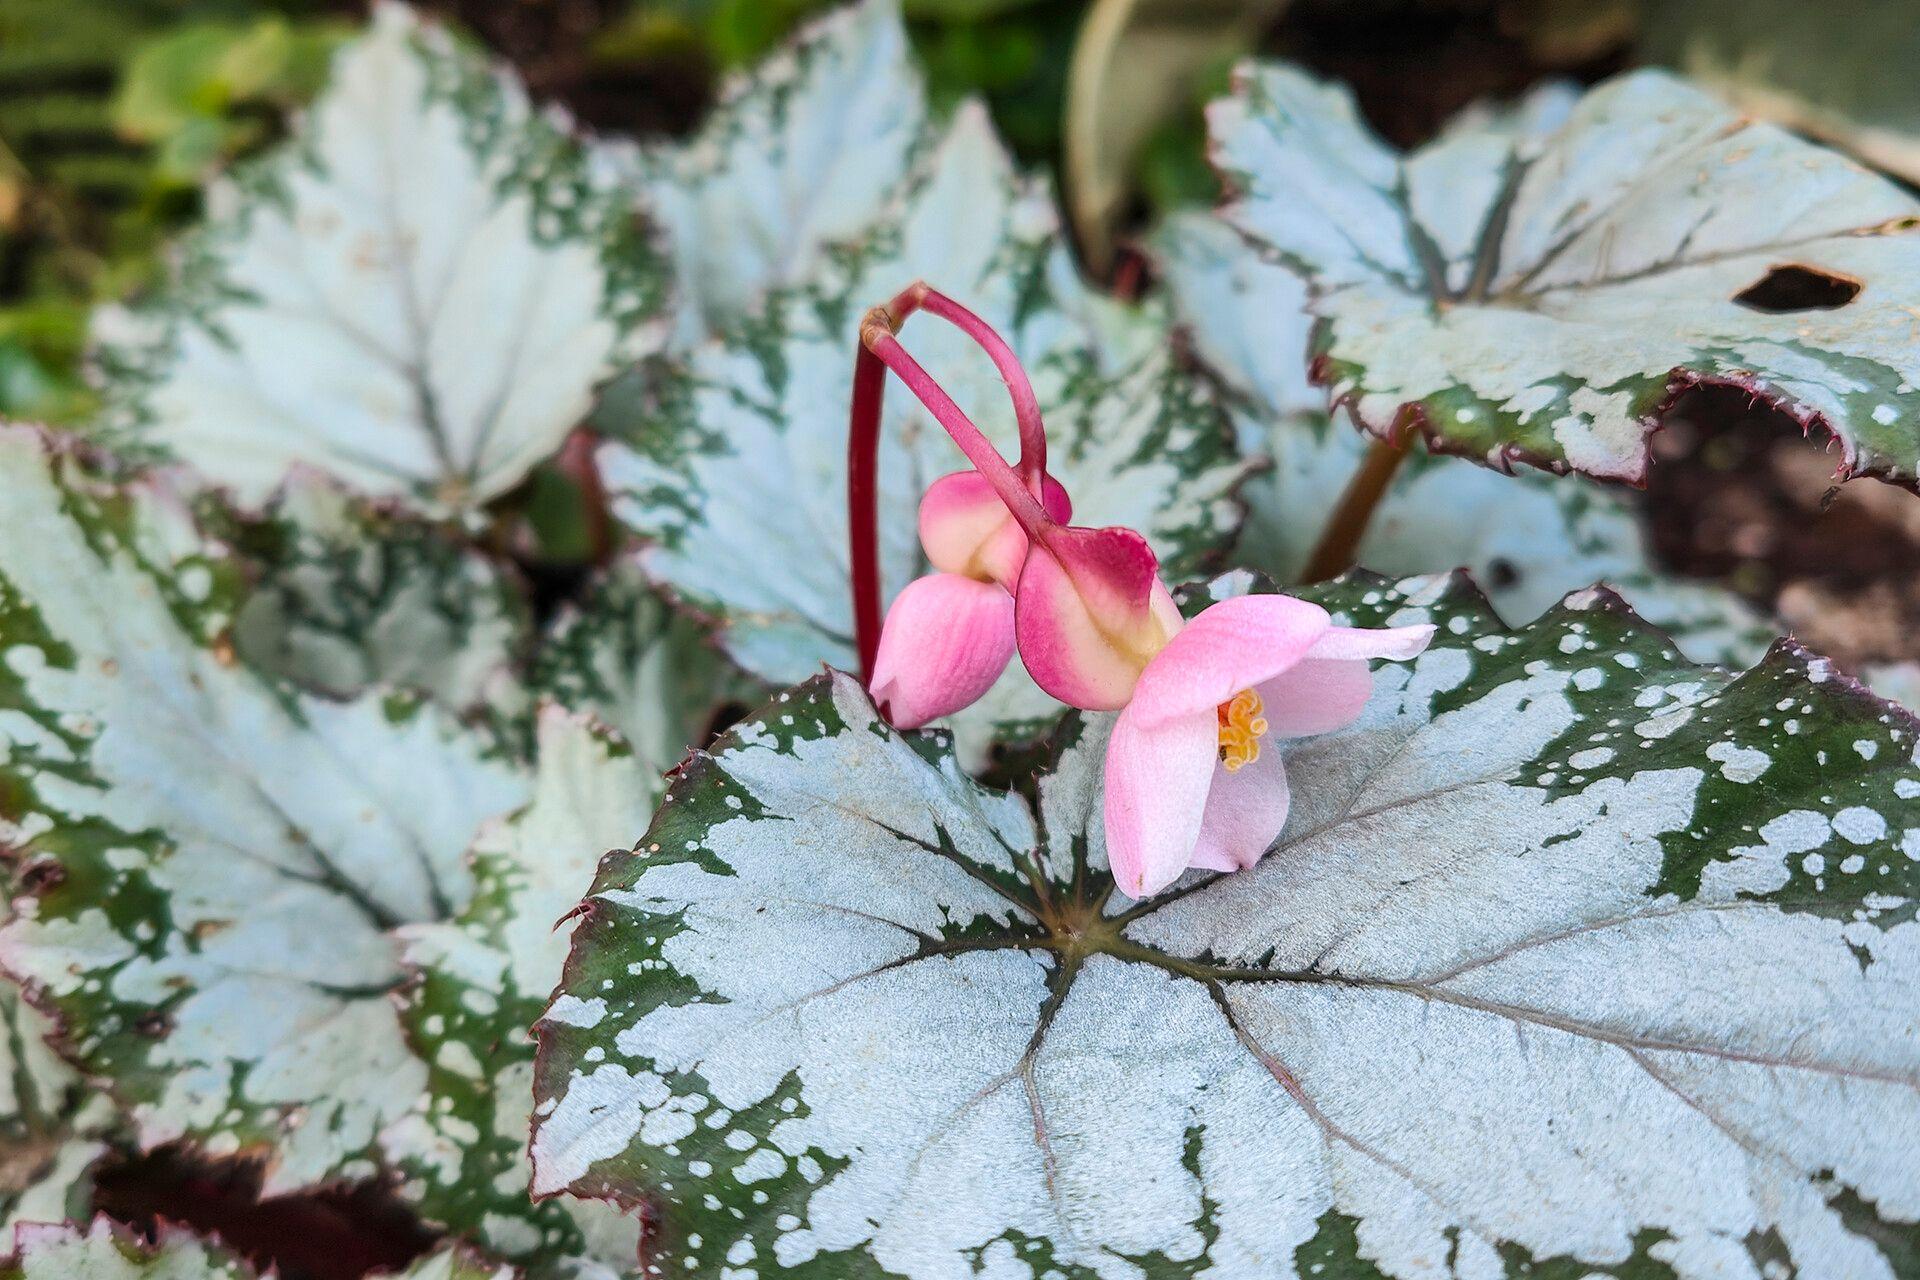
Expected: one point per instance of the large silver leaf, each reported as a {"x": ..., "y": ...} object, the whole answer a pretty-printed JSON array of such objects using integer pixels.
[
  {"x": 1539, "y": 285},
  {"x": 802, "y": 152},
  {"x": 1527, "y": 539},
  {"x": 417, "y": 295},
  {"x": 1572, "y": 959},
  {"x": 483, "y": 978},
  {"x": 215, "y": 862}
]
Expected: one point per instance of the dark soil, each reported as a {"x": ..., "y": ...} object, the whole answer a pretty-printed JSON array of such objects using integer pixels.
[
  {"x": 1413, "y": 64},
  {"x": 1737, "y": 495},
  {"x": 325, "y": 1235},
  {"x": 555, "y": 45}
]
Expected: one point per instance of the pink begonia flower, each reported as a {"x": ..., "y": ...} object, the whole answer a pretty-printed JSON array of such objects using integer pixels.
[
  {"x": 1192, "y": 779},
  {"x": 1191, "y": 776},
  {"x": 950, "y": 634}
]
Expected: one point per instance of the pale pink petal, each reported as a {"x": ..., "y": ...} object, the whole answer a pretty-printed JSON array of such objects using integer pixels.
[
  {"x": 946, "y": 640},
  {"x": 1233, "y": 645},
  {"x": 966, "y": 529},
  {"x": 1091, "y": 610},
  {"x": 1317, "y": 695},
  {"x": 1368, "y": 642},
  {"x": 1245, "y": 811},
  {"x": 1157, "y": 782}
]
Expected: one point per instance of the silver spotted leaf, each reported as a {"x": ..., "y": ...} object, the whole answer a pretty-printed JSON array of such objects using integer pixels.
[
  {"x": 351, "y": 596},
  {"x": 1539, "y": 285},
  {"x": 214, "y": 863},
  {"x": 734, "y": 471},
  {"x": 481, "y": 981},
  {"x": 1526, "y": 539},
  {"x": 451, "y": 1263},
  {"x": 417, "y": 295},
  {"x": 53, "y": 1128},
  {"x": 1573, "y": 958},
  {"x": 802, "y": 152},
  {"x": 105, "y": 1250}
]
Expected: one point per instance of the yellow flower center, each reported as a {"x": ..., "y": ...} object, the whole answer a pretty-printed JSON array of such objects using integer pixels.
[{"x": 1241, "y": 728}]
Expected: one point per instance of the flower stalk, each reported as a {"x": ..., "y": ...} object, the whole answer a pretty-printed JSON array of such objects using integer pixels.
[
  {"x": 1019, "y": 486},
  {"x": 1338, "y": 548}
]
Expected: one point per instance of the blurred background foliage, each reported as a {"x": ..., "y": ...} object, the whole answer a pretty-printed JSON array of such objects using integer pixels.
[{"x": 114, "y": 112}]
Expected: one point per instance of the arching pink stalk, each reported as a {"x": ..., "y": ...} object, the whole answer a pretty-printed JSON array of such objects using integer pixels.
[
  {"x": 863, "y": 435},
  {"x": 986, "y": 459},
  {"x": 1026, "y": 406}
]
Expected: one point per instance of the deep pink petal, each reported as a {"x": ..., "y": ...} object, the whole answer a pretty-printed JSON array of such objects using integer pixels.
[
  {"x": 1366, "y": 642},
  {"x": 1157, "y": 783},
  {"x": 1317, "y": 695},
  {"x": 1245, "y": 811},
  {"x": 1091, "y": 611},
  {"x": 1233, "y": 645},
  {"x": 946, "y": 640},
  {"x": 966, "y": 529}
]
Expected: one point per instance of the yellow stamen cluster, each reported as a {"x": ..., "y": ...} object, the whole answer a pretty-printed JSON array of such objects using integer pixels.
[{"x": 1241, "y": 728}]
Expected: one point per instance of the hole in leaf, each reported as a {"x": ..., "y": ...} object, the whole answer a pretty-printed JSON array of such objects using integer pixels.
[
  {"x": 1794, "y": 286},
  {"x": 1501, "y": 574}
]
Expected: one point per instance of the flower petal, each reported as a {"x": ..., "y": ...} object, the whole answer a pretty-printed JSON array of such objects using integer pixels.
[
  {"x": 946, "y": 640},
  {"x": 1091, "y": 610},
  {"x": 1371, "y": 642},
  {"x": 966, "y": 529},
  {"x": 1318, "y": 695},
  {"x": 1157, "y": 781},
  {"x": 1233, "y": 645},
  {"x": 1245, "y": 811}
]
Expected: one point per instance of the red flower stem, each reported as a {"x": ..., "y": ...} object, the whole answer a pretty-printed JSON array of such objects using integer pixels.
[
  {"x": 880, "y": 351},
  {"x": 578, "y": 460},
  {"x": 863, "y": 505},
  {"x": 1339, "y": 543}
]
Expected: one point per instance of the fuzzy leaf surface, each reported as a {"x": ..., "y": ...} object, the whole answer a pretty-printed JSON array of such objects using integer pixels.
[
  {"x": 215, "y": 862},
  {"x": 1537, "y": 285},
  {"x": 1573, "y": 957},
  {"x": 417, "y": 295}
]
